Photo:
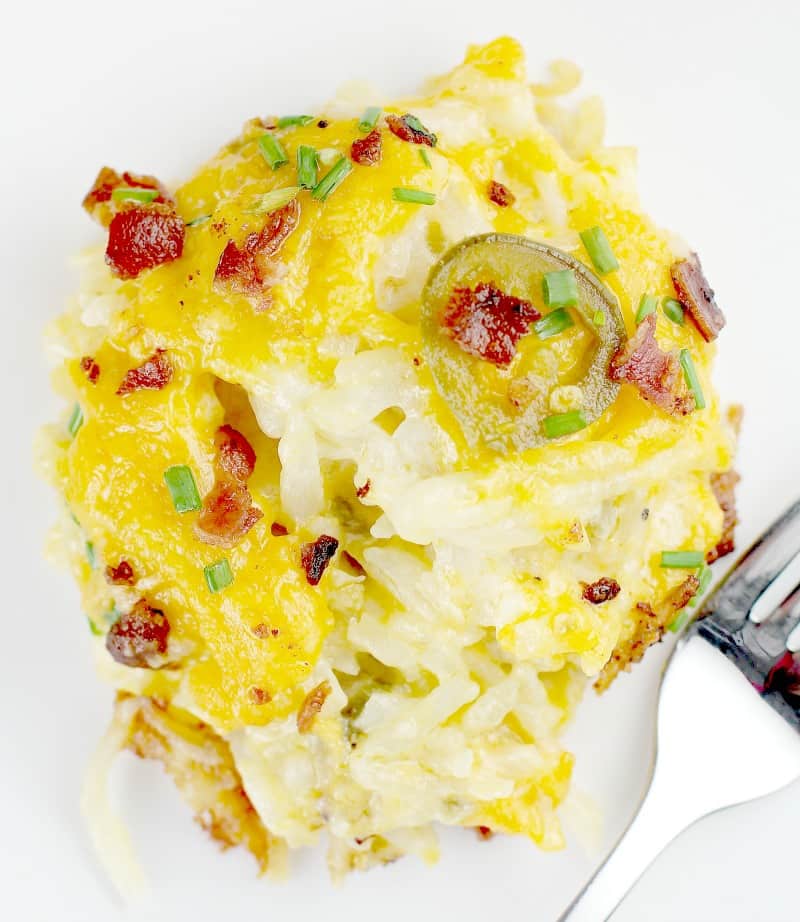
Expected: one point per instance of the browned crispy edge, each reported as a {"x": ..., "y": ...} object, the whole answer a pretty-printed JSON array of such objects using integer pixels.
[
  {"x": 200, "y": 763},
  {"x": 651, "y": 623}
]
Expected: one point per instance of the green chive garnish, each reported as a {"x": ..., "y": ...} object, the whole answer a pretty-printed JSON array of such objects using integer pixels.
[
  {"x": 90, "y": 554},
  {"x": 306, "y": 166},
  {"x": 94, "y": 628},
  {"x": 563, "y": 424},
  {"x": 272, "y": 151},
  {"x": 423, "y": 156},
  {"x": 560, "y": 288},
  {"x": 413, "y": 196},
  {"x": 332, "y": 179},
  {"x": 200, "y": 219},
  {"x": 134, "y": 194},
  {"x": 218, "y": 575},
  {"x": 75, "y": 420},
  {"x": 692, "y": 380},
  {"x": 599, "y": 318},
  {"x": 182, "y": 488},
  {"x": 674, "y": 310},
  {"x": 554, "y": 323},
  {"x": 599, "y": 250},
  {"x": 682, "y": 560},
  {"x": 647, "y": 305},
  {"x": 289, "y": 121},
  {"x": 273, "y": 200},
  {"x": 369, "y": 119}
]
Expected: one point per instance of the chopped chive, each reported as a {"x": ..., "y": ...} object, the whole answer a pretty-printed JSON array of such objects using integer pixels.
[
  {"x": 599, "y": 318},
  {"x": 289, "y": 121},
  {"x": 332, "y": 179},
  {"x": 272, "y": 151},
  {"x": 75, "y": 420},
  {"x": 200, "y": 219},
  {"x": 674, "y": 310},
  {"x": 218, "y": 575},
  {"x": 560, "y": 288},
  {"x": 423, "y": 156},
  {"x": 704, "y": 576},
  {"x": 306, "y": 166},
  {"x": 682, "y": 560},
  {"x": 273, "y": 200},
  {"x": 413, "y": 196},
  {"x": 94, "y": 628},
  {"x": 554, "y": 323},
  {"x": 182, "y": 488},
  {"x": 563, "y": 424},
  {"x": 369, "y": 119},
  {"x": 692, "y": 379},
  {"x": 90, "y": 555},
  {"x": 599, "y": 250},
  {"x": 647, "y": 306},
  {"x": 134, "y": 194}
]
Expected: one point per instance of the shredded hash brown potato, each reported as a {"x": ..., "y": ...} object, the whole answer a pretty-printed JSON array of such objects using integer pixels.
[{"x": 325, "y": 607}]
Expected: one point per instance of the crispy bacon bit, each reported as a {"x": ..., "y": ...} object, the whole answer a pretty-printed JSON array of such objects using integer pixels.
[
  {"x": 258, "y": 695},
  {"x": 353, "y": 563},
  {"x": 152, "y": 375},
  {"x": 121, "y": 575},
  {"x": 362, "y": 491},
  {"x": 367, "y": 151},
  {"x": 648, "y": 629},
  {"x": 247, "y": 269},
  {"x": 603, "y": 590},
  {"x": 312, "y": 706},
  {"x": 657, "y": 375},
  {"x": 484, "y": 833},
  {"x": 139, "y": 637},
  {"x": 278, "y": 531},
  {"x": 227, "y": 515},
  {"x": 316, "y": 556},
  {"x": 697, "y": 296},
  {"x": 90, "y": 368},
  {"x": 501, "y": 195},
  {"x": 724, "y": 487},
  {"x": 98, "y": 201},
  {"x": 143, "y": 237},
  {"x": 488, "y": 323},
  {"x": 228, "y": 512},
  {"x": 235, "y": 455},
  {"x": 408, "y": 128}
]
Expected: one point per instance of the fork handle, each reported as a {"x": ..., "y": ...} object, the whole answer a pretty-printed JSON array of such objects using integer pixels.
[{"x": 657, "y": 823}]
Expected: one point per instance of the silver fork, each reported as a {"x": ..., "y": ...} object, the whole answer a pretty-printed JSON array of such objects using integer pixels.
[{"x": 728, "y": 714}]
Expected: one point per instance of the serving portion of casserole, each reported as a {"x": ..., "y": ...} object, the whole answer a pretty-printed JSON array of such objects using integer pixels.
[{"x": 390, "y": 429}]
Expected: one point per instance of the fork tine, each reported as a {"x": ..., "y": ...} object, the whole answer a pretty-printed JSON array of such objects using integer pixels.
[{"x": 764, "y": 561}]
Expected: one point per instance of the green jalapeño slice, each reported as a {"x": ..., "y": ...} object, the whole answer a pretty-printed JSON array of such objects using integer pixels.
[{"x": 519, "y": 336}]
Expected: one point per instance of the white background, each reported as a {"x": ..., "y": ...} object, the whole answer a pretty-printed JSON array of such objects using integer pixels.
[{"x": 708, "y": 92}]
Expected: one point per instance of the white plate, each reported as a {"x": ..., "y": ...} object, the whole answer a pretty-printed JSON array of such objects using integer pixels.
[{"x": 708, "y": 93}]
